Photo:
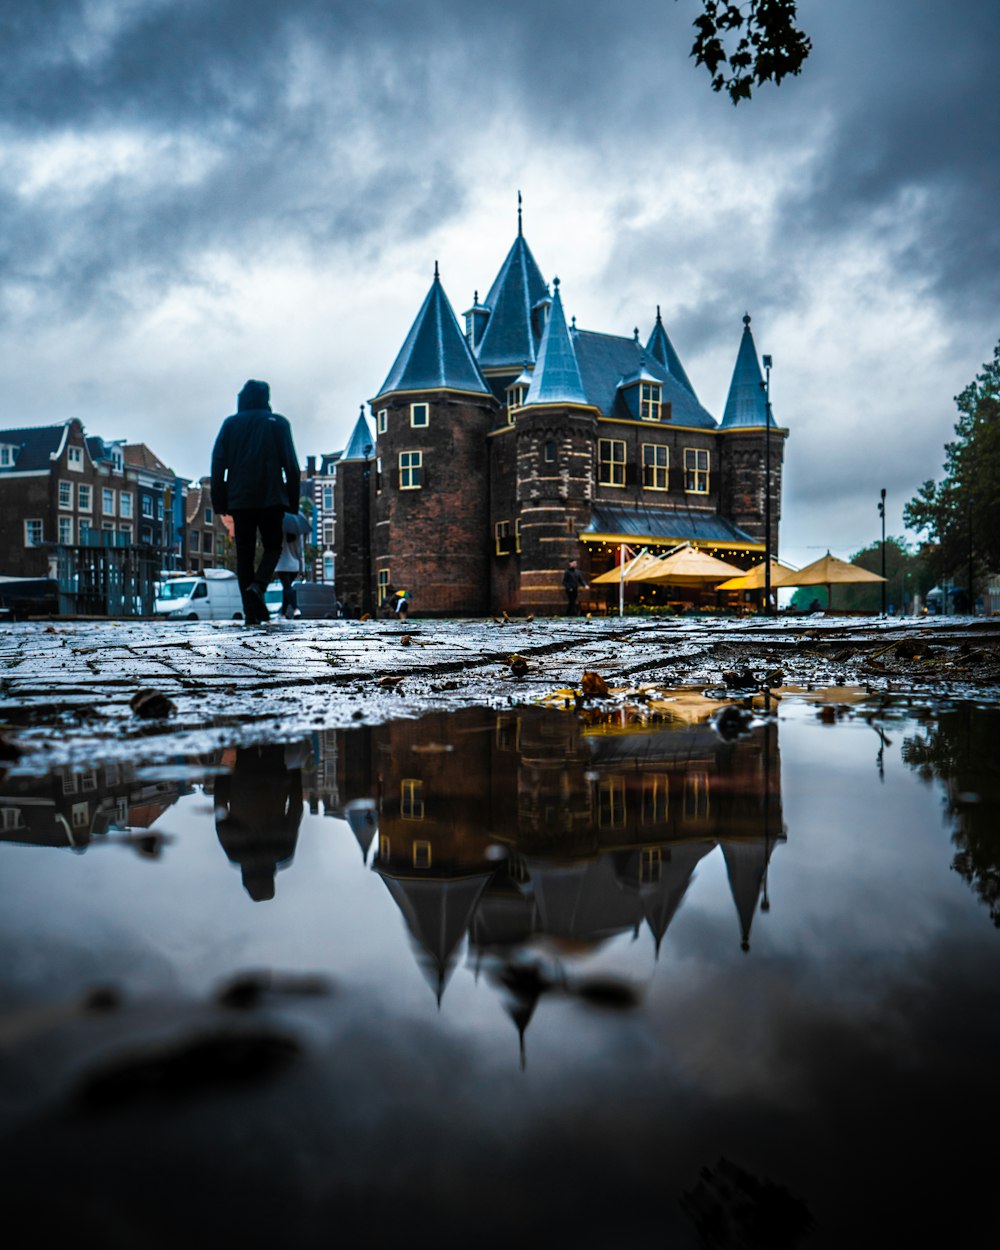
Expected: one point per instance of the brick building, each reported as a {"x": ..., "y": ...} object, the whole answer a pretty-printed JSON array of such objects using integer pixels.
[
  {"x": 509, "y": 448},
  {"x": 208, "y": 541}
]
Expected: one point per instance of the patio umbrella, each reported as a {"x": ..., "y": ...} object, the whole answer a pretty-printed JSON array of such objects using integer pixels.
[
  {"x": 753, "y": 579},
  {"x": 689, "y": 567},
  {"x": 614, "y": 575},
  {"x": 829, "y": 571}
]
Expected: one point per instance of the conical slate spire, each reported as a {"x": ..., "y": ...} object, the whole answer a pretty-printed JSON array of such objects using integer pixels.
[
  {"x": 508, "y": 338},
  {"x": 556, "y": 379},
  {"x": 361, "y": 444},
  {"x": 660, "y": 348},
  {"x": 435, "y": 355},
  {"x": 746, "y": 404}
]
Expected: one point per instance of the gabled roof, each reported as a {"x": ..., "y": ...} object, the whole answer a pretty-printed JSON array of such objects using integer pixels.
[
  {"x": 36, "y": 445},
  {"x": 192, "y": 501},
  {"x": 361, "y": 445},
  {"x": 509, "y": 338},
  {"x": 661, "y": 349},
  {"x": 556, "y": 379},
  {"x": 746, "y": 404},
  {"x": 605, "y": 359},
  {"x": 435, "y": 355},
  {"x": 140, "y": 455}
]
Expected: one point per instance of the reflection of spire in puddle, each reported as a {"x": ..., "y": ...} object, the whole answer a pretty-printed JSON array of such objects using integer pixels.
[
  {"x": 666, "y": 882},
  {"x": 746, "y": 865},
  {"x": 437, "y": 913},
  {"x": 363, "y": 822}
]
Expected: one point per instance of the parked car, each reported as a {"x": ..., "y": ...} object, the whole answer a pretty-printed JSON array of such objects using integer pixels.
[
  {"x": 316, "y": 600},
  {"x": 211, "y": 596}
]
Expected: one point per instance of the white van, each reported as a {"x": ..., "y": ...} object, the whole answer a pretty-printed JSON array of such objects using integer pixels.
[{"x": 212, "y": 596}]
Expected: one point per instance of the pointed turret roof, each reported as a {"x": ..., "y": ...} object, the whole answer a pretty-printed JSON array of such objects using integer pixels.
[
  {"x": 556, "y": 379},
  {"x": 361, "y": 445},
  {"x": 660, "y": 348},
  {"x": 435, "y": 355},
  {"x": 746, "y": 404},
  {"x": 509, "y": 338},
  {"x": 746, "y": 864}
]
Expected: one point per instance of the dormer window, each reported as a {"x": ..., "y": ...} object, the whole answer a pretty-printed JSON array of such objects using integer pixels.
[
  {"x": 516, "y": 396},
  {"x": 649, "y": 401},
  {"x": 74, "y": 458},
  {"x": 6, "y": 455}
]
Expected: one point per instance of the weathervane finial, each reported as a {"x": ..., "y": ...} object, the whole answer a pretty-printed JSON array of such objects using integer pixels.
[
  {"x": 437, "y": 275},
  {"x": 519, "y": 214}
]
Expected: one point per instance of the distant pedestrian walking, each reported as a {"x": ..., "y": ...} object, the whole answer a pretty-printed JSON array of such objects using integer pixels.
[
  {"x": 255, "y": 480},
  {"x": 572, "y": 581},
  {"x": 402, "y": 604},
  {"x": 291, "y": 563}
]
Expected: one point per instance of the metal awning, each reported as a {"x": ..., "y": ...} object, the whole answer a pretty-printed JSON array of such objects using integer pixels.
[{"x": 666, "y": 527}]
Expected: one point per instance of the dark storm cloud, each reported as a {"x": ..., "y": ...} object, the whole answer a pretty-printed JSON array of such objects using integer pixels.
[
  {"x": 333, "y": 123},
  {"x": 915, "y": 111}
]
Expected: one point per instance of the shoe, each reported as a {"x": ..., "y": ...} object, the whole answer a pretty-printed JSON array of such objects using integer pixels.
[{"x": 256, "y": 608}]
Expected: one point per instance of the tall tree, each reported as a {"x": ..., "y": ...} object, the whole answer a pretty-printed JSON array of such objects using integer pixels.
[
  {"x": 747, "y": 44},
  {"x": 961, "y": 513}
]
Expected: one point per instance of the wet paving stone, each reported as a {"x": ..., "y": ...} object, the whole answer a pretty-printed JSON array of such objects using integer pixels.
[{"x": 488, "y": 970}]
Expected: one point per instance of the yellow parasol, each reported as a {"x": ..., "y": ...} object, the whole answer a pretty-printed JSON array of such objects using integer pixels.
[
  {"x": 614, "y": 575},
  {"x": 689, "y": 567},
  {"x": 753, "y": 579},
  {"x": 829, "y": 571}
]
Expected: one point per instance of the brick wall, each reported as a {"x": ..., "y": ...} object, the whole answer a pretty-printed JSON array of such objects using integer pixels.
[
  {"x": 434, "y": 541},
  {"x": 354, "y": 492},
  {"x": 742, "y": 484},
  {"x": 555, "y": 475}
]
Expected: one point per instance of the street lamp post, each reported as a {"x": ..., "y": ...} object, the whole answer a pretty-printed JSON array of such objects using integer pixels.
[
  {"x": 767, "y": 486},
  {"x": 881, "y": 512}
]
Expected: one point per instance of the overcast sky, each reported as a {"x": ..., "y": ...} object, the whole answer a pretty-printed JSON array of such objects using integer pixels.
[{"x": 195, "y": 192}]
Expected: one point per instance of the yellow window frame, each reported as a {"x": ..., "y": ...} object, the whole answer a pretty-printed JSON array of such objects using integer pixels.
[{"x": 611, "y": 461}]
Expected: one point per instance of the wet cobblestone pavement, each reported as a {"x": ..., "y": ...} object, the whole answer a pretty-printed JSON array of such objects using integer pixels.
[
  {"x": 66, "y": 688},
  {"x": 345, "y": 929}
]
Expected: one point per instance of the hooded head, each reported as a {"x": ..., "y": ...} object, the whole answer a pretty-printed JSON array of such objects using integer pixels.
[{"x": 255, "y": 395}]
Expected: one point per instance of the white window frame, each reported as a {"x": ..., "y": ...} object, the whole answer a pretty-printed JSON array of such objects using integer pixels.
[
  {"x": 208, "y": 515},
  {"x": 615, "y": 467},
  {"x": 66, "y": 531},
  {"x": 66, "y": 487},
  {"x": 411, "y": 467},
  {"x": 34, "y": 537},
  {"x": 108, "y": 501},
  {"x": 125, "y": 504},
  {"x": 328, "y": 497},
  {"x": 382, "y": 421},
  {"x": 85, "y": 497},
  {"x": 420, "y": 409},
  {"x": 146, "y": 507},
  {"x": 74, "y": 458},
  {"x": 651, "y": 471},
  {"x": 698, "y": 477}
]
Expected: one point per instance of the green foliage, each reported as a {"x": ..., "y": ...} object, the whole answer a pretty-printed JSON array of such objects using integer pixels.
[
  {"x": 961, "y": 514},
  {"x": 745, "y": 45},
  {"x": 908, "y": 573}
]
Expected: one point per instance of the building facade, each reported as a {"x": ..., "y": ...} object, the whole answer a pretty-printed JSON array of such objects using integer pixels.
[
  {"x": 208, "y": 543},
  {"x": 511, "y": 446}
]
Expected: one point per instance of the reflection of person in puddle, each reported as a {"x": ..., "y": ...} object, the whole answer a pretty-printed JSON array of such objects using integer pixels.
[{"x": 258, "y": 807}]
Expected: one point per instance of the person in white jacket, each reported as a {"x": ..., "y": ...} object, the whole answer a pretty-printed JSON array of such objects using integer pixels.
[{"x": 291, "y": 563}]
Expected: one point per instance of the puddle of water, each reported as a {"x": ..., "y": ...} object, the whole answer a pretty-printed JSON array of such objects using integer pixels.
[{"x": 506, "y": 970}]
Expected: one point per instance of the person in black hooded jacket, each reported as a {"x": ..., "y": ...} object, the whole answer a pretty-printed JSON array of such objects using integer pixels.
[{"x": 255, "y": 480}]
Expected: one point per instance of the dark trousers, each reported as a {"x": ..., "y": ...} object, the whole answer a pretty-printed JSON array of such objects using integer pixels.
[
  {"x": 246, "y": 524},
  {"x": 289, "y": 599}
]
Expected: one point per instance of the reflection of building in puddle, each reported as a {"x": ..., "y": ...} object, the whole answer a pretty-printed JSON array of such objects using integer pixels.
[
  {"x": 514, "y": 829},
  {"x": 72, "y": 807}
]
